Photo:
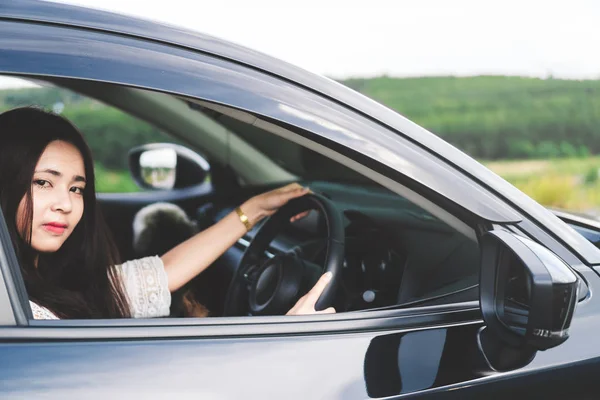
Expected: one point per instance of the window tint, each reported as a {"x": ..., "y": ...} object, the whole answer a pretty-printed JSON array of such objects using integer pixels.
[
  {"x": 296, "y": 159},
  {"x": 396, "y": 252}
]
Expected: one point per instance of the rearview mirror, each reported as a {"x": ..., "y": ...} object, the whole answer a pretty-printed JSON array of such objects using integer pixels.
[
  {"x": 166, "y": 166},
  {"x": 527, "y": 297}
]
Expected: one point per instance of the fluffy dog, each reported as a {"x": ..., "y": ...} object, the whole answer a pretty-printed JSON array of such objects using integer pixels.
[{"x": 157, "y": 228}]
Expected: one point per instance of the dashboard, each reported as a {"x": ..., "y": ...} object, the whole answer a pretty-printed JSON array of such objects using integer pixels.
[{"x": 395, "y": 252}]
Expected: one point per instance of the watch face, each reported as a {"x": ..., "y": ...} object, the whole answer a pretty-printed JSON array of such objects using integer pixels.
[{"x": 243, "y": 218}]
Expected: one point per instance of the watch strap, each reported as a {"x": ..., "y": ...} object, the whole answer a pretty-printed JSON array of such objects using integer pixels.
[{"x": 243, "y": 218}]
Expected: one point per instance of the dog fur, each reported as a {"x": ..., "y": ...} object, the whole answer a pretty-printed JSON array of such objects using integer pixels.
[{"x": 157, "y": 228}]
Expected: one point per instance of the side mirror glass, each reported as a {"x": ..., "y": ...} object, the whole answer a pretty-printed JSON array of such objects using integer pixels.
[
  {"x": 166, "y": 166},
  {"x": 158, "y": 168},
  {"x": 527, "y": 296}
]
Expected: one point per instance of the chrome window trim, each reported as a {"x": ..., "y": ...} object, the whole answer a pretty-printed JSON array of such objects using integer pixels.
[{"x": 466, "y": 313}]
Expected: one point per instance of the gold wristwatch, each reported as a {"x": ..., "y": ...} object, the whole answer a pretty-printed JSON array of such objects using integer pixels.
[{"x": 243, "y": 218}]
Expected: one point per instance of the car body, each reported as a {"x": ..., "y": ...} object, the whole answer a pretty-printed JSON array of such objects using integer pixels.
[{"x": 428, "y": 347}]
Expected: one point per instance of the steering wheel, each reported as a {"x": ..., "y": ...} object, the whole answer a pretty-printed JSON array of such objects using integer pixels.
[{"x": 273, "y": 286}]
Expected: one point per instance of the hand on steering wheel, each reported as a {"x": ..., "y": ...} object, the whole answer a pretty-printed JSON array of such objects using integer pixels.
[
  {"x": 272, "y": 286},
  {"x": 266, "y": 204},
  {"x": 306, "y": 304}
]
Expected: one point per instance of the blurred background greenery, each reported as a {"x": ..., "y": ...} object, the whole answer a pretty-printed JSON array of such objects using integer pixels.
[{"x": 542, "y": 135}]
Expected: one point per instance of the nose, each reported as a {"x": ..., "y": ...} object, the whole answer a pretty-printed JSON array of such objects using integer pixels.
[{"x": 62, "y": 201}]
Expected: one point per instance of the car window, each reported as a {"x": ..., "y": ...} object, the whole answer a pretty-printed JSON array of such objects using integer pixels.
[
  {"x": 397, "y": 253},
  {"x": 109, "y": 132}
]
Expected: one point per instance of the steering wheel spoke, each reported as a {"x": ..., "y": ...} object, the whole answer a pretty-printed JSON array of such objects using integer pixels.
[{"x": 251, "y": 273}]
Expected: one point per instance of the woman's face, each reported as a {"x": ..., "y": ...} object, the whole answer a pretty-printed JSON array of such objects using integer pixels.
[{"x": 57, "y": 192}]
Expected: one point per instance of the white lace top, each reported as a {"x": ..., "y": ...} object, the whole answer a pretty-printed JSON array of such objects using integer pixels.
[{"x": 146, "y": 288}]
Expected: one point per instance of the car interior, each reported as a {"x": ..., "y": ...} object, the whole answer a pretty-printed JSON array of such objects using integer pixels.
[{"x": 401, "y": 248}]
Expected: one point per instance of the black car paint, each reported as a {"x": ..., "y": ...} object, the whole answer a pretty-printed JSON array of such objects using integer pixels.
[
  {"x": 62, "y": 362},
  {"x": 427, "y": 352}
]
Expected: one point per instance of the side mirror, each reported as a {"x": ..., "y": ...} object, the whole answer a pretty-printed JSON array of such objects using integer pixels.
[
  {"x": 166, "y": 166},
  {"x": 527, "y": 296}
]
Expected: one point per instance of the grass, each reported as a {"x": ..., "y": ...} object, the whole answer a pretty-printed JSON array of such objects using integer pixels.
[{"x": 572, "y": 184}]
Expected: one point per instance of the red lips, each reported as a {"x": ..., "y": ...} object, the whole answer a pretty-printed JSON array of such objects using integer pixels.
[{"x": 55, "y": 227}]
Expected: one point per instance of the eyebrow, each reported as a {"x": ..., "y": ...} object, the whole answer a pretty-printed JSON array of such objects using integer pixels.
[{"x": 76, "y": 178}]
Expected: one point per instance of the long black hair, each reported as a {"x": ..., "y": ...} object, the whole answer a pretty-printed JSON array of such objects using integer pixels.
[{"x": 78, "y": 280}]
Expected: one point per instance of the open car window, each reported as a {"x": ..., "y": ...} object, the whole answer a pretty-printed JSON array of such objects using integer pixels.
[{"x": 401, "y": 250}]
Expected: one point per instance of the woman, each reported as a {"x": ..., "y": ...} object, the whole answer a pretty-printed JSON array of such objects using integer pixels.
[{"x": 69, "y": 264}]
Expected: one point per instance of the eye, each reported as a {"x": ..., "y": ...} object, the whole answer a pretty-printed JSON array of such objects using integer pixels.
[
  {"x": 42, "y": 183},
  {"x": 78, "y": 190}
]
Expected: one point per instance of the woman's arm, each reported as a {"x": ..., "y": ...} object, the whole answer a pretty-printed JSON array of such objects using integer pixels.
[{"x": 188, "y": 259}]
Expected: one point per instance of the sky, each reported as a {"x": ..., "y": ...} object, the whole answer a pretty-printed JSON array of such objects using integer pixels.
[{"x": 346, "y": 38}]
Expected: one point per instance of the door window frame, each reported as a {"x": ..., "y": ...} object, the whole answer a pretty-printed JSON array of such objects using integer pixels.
[
  {"x": 305, "y": 115},
  {"x": 409, "y": 319}
]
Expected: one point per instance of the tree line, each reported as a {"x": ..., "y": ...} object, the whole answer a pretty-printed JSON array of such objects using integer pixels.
[{"x": 498, "y": 117}]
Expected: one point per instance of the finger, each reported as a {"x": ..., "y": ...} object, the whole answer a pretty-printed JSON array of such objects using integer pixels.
[
  {"x": 299, "y": 216},
  {"x": 329, "y": 310},
  {"x": 313, "y": 295},
  {"x": 301, "y": 191},
  {"x": 287, "y": 196},
  {"x": 290, "y": 187}
]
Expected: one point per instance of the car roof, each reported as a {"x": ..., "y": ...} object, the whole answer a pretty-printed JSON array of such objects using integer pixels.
[{"x": 69, "y": 15}]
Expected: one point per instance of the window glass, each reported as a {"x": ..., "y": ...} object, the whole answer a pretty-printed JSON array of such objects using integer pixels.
[
  {"x": 306, "y": 164},
  {"x": 396, "y": 252}
]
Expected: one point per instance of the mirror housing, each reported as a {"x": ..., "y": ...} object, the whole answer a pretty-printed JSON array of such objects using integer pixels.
[
  {"x": 527, "y": 296},
  {"x": 166, "y": 166}
]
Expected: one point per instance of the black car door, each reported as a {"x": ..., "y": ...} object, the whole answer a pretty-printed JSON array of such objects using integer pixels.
[{"x": 423, "y": 351}]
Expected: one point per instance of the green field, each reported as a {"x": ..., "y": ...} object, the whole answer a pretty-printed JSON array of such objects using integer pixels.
[{"x": 571, "y": 184}]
